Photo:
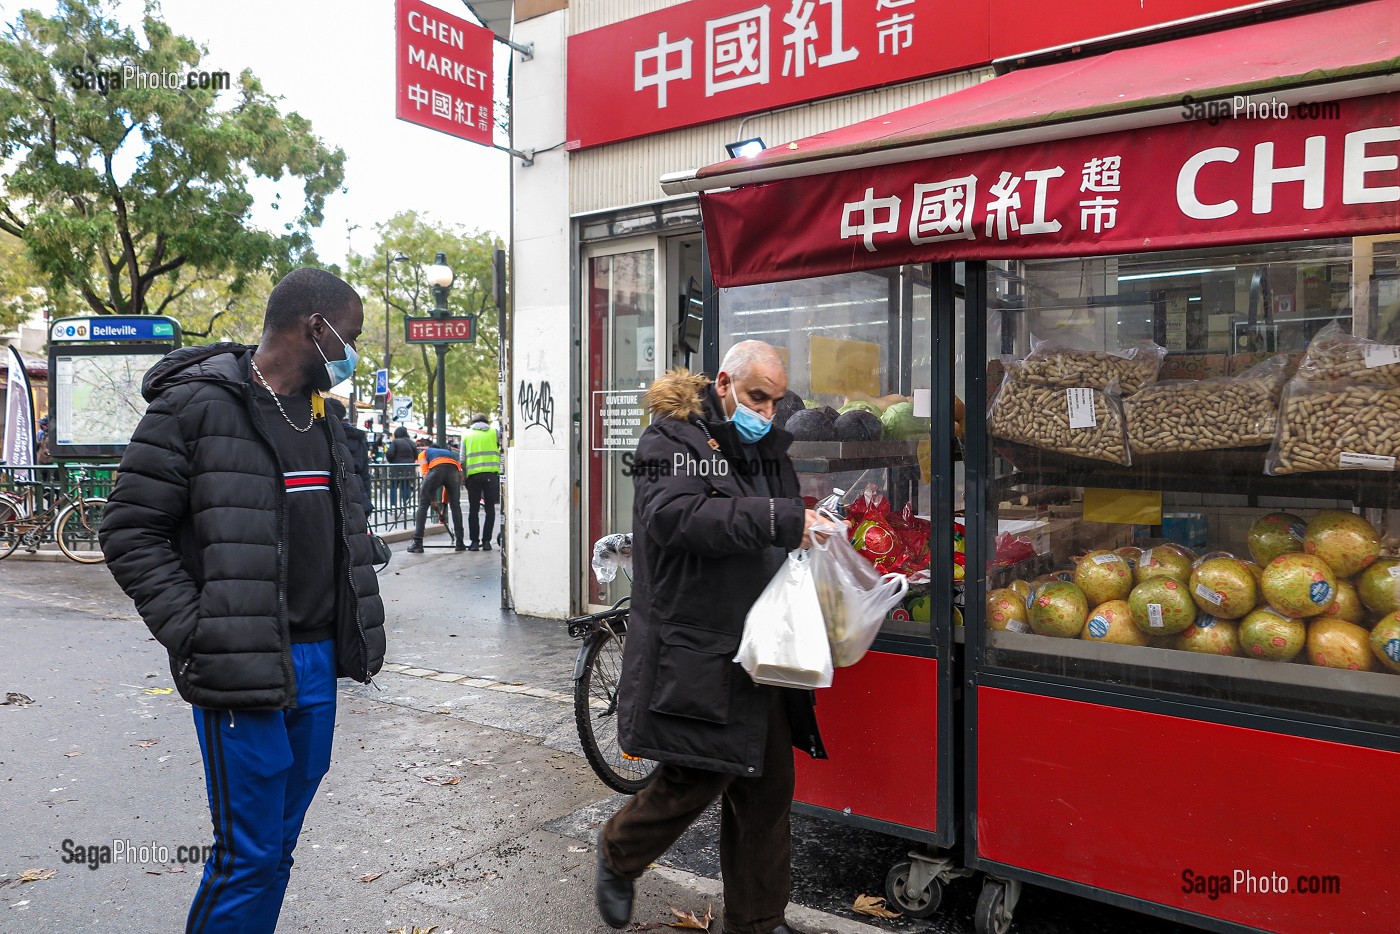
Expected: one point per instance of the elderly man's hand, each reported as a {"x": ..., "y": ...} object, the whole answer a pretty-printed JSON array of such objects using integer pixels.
[{"x": 810, "y": 519}]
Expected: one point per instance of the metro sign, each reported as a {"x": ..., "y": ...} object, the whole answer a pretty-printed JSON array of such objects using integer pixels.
[{"x": 440, "y": 330}]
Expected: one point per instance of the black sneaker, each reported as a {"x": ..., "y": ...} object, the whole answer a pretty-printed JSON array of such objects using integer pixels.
[
  {"x": 416, "y": 548},
  {"x": 473, "y": 547},
  {"x": 485, "y": 546},
  {"x": 459, "y": 547}
]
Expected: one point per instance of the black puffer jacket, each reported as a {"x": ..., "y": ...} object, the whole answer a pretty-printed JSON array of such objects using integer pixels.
[
  {"x": 708, "y": 535},
  {"x": 195, "y": 532}
]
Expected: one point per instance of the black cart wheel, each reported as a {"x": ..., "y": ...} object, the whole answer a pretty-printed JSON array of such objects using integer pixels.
[
  {"x": 992, "y": 916},
  {"x": 595, "y": 714},
  {"x": 921, "y": 904}
]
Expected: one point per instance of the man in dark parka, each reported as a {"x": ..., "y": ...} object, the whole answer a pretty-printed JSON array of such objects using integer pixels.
[{"x": 716, "y": 510}]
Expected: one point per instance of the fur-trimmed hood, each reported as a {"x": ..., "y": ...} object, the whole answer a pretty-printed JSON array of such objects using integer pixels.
[{"x": 678, "y": 394}]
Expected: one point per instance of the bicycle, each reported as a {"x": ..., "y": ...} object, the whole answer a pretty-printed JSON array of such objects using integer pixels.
[
  {"x": 72, "y": 518},
  {"x": 597, "y": 671}
]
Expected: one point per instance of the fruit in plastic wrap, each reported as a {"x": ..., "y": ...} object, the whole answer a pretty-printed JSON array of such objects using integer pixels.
[
  {"x": 812, "y": 425},
  {"x": 1275, "y": 534},
  {"x": 1348, "y": 543},
  {"x": 1168, "y": 560},
  {"x": 1299, "y": 585},
  {"x": 1006, "y": 610},
  {"x": 1224, "y": 588},
  {"x": 1347, "y": 604},
  {"x": 1162, "y": 606},
  {"x": 858, "y": 425},
  {"x": 1113, "y": 622},
  {"x": 1379, "y": 586},
  {"x": 1335, "y": 643},
  {"x": 1059, "y": 609},
  {"x": 878, "y": 543},
  {"x": 1210, "y": 636},
  {"x": 1385, "y": 642},
  {"x": 1268, "y": 634},
  {"x": 1022, "y": 589},
  {"x": 1103, "y": 576},
  {"x": 1131, "y": 554},
  {"x": 1255, "y": 570}
]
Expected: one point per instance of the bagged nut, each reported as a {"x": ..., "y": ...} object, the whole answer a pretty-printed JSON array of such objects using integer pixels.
[
  {"x": 1053, "y": 365},
  {"x": 1333, "y": 355},
  {"x": 1206, "y": 414},
  {"x": 1076, "y": 420},
  {"x": 1336, "y": 426}
]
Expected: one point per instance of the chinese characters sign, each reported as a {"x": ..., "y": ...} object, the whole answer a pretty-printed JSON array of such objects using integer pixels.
[
  {"x": 440, "y": 330},
  {"x": 1185, "y": 184},
  {"x": 444, "y": 72},
  {"x": 702, "y": 61}
]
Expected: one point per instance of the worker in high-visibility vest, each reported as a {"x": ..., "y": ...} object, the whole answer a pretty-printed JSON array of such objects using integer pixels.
[
  {"x": 481, "y": 462},
  {"x": 441, "y": 473}
]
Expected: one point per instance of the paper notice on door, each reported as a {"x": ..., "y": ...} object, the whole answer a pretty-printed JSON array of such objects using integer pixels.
[
  {"x": 1081, "y": 408},
  {"x": 1382, "y": 355}
]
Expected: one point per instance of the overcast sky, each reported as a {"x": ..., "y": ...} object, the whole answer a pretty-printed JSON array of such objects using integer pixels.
[{"x": 334, "y": 64}]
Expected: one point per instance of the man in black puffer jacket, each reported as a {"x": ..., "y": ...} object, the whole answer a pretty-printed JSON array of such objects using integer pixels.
[{"x": 237, "y": 526}]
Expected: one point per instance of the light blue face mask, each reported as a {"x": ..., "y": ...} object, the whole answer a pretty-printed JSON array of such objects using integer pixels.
[
  {"x": 750, "y": 425},
  {"x": 339, "y": 370}
]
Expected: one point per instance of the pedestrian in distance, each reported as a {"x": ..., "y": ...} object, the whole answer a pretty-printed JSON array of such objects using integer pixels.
[
  {"x": 401, "y": 450},
  {"x": 481, "y": 463},
  {"x": 707, "y": 537},
  {"x": 442, "y": 475},
  {"x": 236, "y": 525}
]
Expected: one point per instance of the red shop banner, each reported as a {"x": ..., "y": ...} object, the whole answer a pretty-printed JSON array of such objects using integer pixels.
[
  {"x": 1188, "y": 184},
  {"x": 443, "y": 80},
  {"x": 709, "y": 59}
]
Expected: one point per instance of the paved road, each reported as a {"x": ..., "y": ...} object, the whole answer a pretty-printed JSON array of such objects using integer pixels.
[{"x": 457, "y": 803}]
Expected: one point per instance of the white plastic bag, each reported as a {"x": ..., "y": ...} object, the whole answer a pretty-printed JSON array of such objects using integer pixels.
[
  {"x": 784, "y": 642},
  {"x": 854, "y": 597}
]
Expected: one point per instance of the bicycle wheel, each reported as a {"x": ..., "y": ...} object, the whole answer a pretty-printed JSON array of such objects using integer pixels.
[
  {"x": 77, "y": 531},
  {"x": 10, "y": 531},
  {"x": 595, "y": 712}
]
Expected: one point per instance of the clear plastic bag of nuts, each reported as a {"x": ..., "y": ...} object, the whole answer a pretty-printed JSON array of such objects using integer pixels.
[
  {"x": 1207, "y": 414},
  {"x": 1077, "y": 420},
  {"x": 1131, "y": 367},
  {"x": 1336, "y": 425},
  {"x": 1336, "y": 355}
]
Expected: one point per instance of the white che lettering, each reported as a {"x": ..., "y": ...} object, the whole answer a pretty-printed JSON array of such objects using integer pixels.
[
  {"x": 1186, "y": 198},
  {"x": 1311, "y": 173},
  {"x": 1356, "y": 165}
]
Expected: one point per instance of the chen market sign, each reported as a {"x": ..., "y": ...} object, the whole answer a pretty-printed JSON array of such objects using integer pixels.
[
  {"x": 444, "y": 72},
  {"x": 1182, "y": 185}
]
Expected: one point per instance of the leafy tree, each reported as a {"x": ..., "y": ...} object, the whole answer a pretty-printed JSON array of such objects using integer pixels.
[
  {"x": 128, "y": 192},
  {"x": 22, "y": 291},
  {"x": 471, "y": 368}
]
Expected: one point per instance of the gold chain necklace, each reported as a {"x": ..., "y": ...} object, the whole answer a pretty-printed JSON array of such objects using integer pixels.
[{"x": 263, "y": 379}]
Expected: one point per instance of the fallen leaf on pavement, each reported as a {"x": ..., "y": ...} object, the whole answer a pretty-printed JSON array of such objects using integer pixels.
[
  {"x": 175, "y": 869},
  {"x": 157, "y": 690},
  {"x": 146, "y": 743},
  {"x": 688, "y": 920},
  {"x": 443, "y": 710},
  {"x": 37, "y": 875},
  {"x": 873, "y": 906},
  {"x": 578, "y": 849},
  {"x": 71, "y": 755},
  {"x": 18, "y": 699},
  {"x": 415, "y": 929},
  {"x": 369, "y": 877},
  {"x": 434, "y": 780}
]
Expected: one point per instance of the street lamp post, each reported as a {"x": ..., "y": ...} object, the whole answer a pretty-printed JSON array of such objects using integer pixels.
[{"x": 441, "y": 277}]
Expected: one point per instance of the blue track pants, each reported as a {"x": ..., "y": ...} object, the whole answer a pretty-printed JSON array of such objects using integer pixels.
[{"x": 262, "y": 769}]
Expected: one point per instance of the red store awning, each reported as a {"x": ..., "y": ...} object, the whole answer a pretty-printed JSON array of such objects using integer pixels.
[{"x": 1129, "y": 151}]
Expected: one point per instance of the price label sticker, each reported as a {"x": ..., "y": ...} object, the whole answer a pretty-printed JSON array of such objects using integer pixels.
[
  {"x": 1382, "y": 355},
  {"x": 1107, "y": 559},
  {"x": 1210, "y": 596},
  {"x": 1017, "y": 626},
  {"x": 1081, "y": 408},
  {"x": 1154, "y": 616},
  {"x": 1366, "y": 461}
]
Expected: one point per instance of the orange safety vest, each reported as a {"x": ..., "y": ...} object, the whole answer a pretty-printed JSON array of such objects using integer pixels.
[{"x": 425, "y": 465}]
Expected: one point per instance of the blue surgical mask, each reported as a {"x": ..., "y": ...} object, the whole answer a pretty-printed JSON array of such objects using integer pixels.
[
  {"x": 339, "y": 370},
  {"x": 750, "y": 425}
]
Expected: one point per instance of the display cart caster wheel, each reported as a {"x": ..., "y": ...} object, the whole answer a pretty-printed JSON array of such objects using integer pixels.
[
  {"x": 996, "y": 905},
  {"x": 912, "y": 901}
]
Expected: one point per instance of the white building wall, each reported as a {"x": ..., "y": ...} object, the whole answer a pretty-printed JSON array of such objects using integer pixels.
[{"x": 538, "y": 462}]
